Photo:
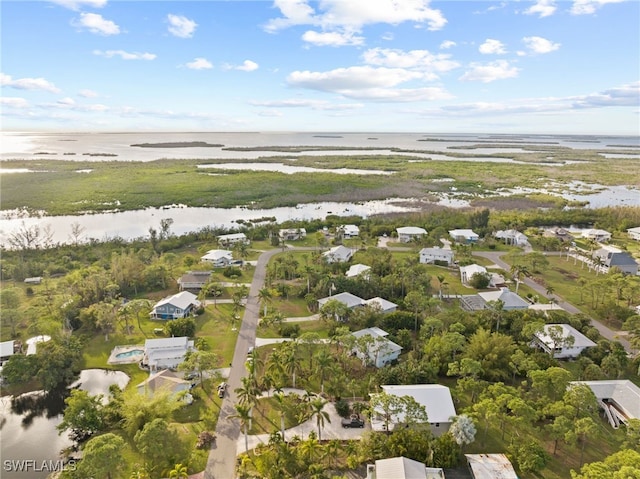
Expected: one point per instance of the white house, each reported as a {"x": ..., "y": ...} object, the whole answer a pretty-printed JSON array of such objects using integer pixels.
[
  {"x": 467, "y": 272},
  {"x": 231, "y": 239},
  {"x": 562, "y": 341},
  {"x": 349, "y": 300},
  {"x": 490, "y": 466},
  {"x": 163, "y": 381},
  {"x": 292, "y": 234},
  {"x": 619, "y": 398},
  {"x": 349, "y": 231},
  {"x": 194, "y": 279},
  {"x": 380, "y": 351},
  {"x": 435, "y": 398},
  {"x": 358, "y": 270},
  {"x": 410, "y": 233},
  {"x": 179, "y": 305},
  {"x": 402, "y": 468},
  {"x": 165, "y": 353},
  {"x": 465, "y": 236},
  {"x": 32, "y": 343},
  {"x": 508, "y": 298},
  {"x": 600, "y": 236},
  {"x": 431, "y": 255},
  {"x": 219, "y": 258},
  {"x": 634, "y": 233},
  {"x": 7, "y": 350},
  {"x": 512, "y": 237},
  {"x": 381, "y": 304},
  {"x": 338, "y": 254}
]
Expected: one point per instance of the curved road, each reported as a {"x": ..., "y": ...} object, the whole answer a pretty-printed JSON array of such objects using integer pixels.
[
  {"x": 606, "y": 332},
  {"x": 222, "y": 457}
]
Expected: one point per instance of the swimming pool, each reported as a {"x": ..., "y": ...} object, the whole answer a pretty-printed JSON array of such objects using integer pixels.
[{"x": 128, "y": 354}]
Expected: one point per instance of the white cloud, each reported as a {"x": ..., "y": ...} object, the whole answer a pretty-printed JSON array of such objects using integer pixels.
[
  {"x": 415, "y": 59},
  {"x": 540, "y": 45},
  {"x": 28, "y": 83},
  {"x": 626, "y": 95},
  {"x": 66, "y": 101},
  {"x": 542, "y": 8},
  {"x": 387, "y": 36},
  {"x": 125, "y": 55},
  {"x": 447, "y": 44},
  {"x": 14, "y": 102},
  {"x": 87, "y": 93},
  {"x": 492, "y": 47},
  {"x": 354, "y": 14},
  {"x": 95, "y": 23},
  {"x": 180, "y": 26},
  {"x": 333, "y": 39},
  {"x": 587, "y": 7},
  {"x": 366, "y": 82},
  {"x": 271, "y": 113},
  {"x": 306, "y": 103},
  {"x": 488, "y": 72},
  {"x": 78, "y": 4},
  {"x": 200, "y": 64},
  {"x": 247, "y": 66}
]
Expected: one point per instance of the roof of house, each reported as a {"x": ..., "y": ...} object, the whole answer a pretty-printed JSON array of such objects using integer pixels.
[
  {"x": 31, "y": 343},
  {"x": 509, "y": 234},
  {"x": 293, "y": 230},
  {"x": 472, "y": 269},
  {"x": 592, "y": 233},
  {"x": 180, "y": 300},
  {"x": 467, "y": 233},
  {"x": 6, "y": 348},
  {"x": 356, "y": 270},
  {"x": 622, "y": 259},
  {"x": 166, "y": 343},
  {"x": 509, "y": 299},
  {"x": 374, "y": 331},
  {"x": 381, "y": 302},
  {"x": 434, "y": 397},
  {"x": 634, "y": 230},
  {"x": 162, "y": 380},
  {"x": 411, "y": 230},
  {"x": 404, "y": 468},
  {"x": 350, "y": 300},
  {"x": 339, "y": 252},
  {"x": 436, "y": 250},
  {"x": 579, "y": 339},
  {"x": 195, "y": 277},
  {"x": 216, "y": 254},
  {"x": 232, "y": 236},
  {"x": 350, "y": 229},
  {"x": 490, "y": 466},
  {"x": 622, "y": 391}
]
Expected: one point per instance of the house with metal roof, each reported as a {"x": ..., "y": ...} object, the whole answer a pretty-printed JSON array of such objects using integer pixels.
[
  {"x": 512, "y": 237},
  {"x": 509, "y": 299},
  {"x": 194, "y": 279},
  {"x": 292, "y": 234},
  {"x": 464, "y": 236},
  {"x": 600, "y": 236},
  {"x": 619, "y": 398},
  {"x": 634, "y": 233},
  {"x": 562, "y": 341},
  {"x": 165, "y": 353},
  {"x": 219, "y": 258},
  {"x": 358, "y": 270},
  {"x": 612, "y": 257},
  {"x": 231, "y": 239},
  {"x": 179, "y": 305},
  {"x": 349, "y": 231},
  {"x": 349, "y": 300},
  {"x": 402, "y": 468},
  {"x": 431, "y": 255},
  {"x": 163, "y": 381},
  {"x": 338, "y": 254},
  {"x": 490, "y": 466},
  {"x": 378, "y": 351},
  {"x": 385, "y": 306},
  {"x": 410, "y": 233}
]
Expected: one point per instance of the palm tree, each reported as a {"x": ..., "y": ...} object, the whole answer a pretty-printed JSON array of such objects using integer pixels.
[
  {"x": 291, "y": 363},
  {"x": 179, "y": 472},
  {"x": 243, "y": 413},
  {"x": 265, "y": 295},
  {"x": 324, "y": 360},
  {"x": 317, "y": 410}
]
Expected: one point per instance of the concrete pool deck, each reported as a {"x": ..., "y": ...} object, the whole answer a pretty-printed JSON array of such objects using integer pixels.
[{"x": 129, "y": 359}]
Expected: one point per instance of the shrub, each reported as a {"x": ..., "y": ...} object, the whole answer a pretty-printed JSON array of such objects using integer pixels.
[
  {"x": 342, "y": 407},
  {"x": 290, "y": 330},
  {"x": 205, "y": 439},
  {"x": 231, "y": 272}
]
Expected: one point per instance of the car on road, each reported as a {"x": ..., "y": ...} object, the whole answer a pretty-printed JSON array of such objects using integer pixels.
[
  {"x": 222, "y": 388},
  {"x": 353, "y": 421}
]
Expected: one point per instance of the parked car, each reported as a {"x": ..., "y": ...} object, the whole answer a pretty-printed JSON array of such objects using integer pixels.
[
  {"x": 353, "y": 421},
  {"x": 222, "y": 388}
]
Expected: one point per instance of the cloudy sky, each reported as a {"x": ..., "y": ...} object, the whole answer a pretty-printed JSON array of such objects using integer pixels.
[{"x": 541, "y": 66}]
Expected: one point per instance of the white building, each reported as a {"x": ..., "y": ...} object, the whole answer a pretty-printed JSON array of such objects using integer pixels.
[
  {"x": 219, "y": 258},
  {"x": 600, "y": 236},
  {"x": 634, "y": 233},
  {"x": 402, "y": 468},
  {"x": 562, "y": 341},
  {"x": 435, "y": 398},
  {"x": 464, "y": 236},
  {"x": 33, "y": 342},
  {"x": 165, "y": 353},
  {"x": 512, "y": 237},
  {"x": 467, "y": 272},
  {"x": 231, "y": 239},
  {"x": 410, "y": 233},
  {"x": 358, "y": 270},
  {"x": 292, "y": 234},
  {"x": 619, "y": 398},
  {"x": 431, "y": 255},
  {"x": 383, "y": 305},
  {"x": 7, "y": 350},
  {"x": 508, "y": 298},
  {"x": 349, "y": 231},
  {"x": 380, "y": 351},
  {"x": 338, "y": 254}
]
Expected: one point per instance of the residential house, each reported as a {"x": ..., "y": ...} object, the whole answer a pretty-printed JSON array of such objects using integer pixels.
[
  {"x": 402, "y": 468},
  {"x": 612, "y": 257},
  {"x": 358, "y": 270},
  {"x": 407, "y": 234},
  {"x": 619, "y": 398},
  {"x": 490, "y": 466},
  {"x": 600, "y": 236},
  {"x": 464, "y": 236},
  {"x": 7, "y": 349},
  {"x": 33, "y": 280},
  {"x": 431, "y": 255},
  {"x": 292, "y": 234},
  {"x": 435, "y": 398},
  {"x": 512, "y": 237},
  {"x": 379, "y": 351},
  {"x": 163, "y": 381},
  {"x": 231, "y": 239},
  {"x": 467, "y": 272},
  {"x": 179, "y": 305},
  {"x": 338, "y": 254},
  {"x": 165, "y": 353},
  {"x": 634, "y": 233},
  {"x": 562, "y": 341},
  {"x": 558, "y": 233},
  {"x": 32, "y": 343},
  {"x": 349, "y": 231},
  {"x": 349, "y": 300},
  {"x": 194, "y": 280},
  {"x": 508, "y": 299},
  {"x": 219, "y": 258},
  {"x": 383, "y": 305}
]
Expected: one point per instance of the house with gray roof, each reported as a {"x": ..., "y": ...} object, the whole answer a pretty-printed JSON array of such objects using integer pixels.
[
  {"x": 378, "y": 350},
  {"x": 612, "y": 257},
  {"x": 402, "y": 468},
  {"x": 620, "y": 399},
  {"x": 385, "y": 306},
  {"x": 512, "y": 237},
  {"x": 194, "y": 279},
  {"x": 562, "y": 341},
  {"x": 464, "y": 236},
  {"x": 509, "y": 299},
  {"x": 338, "y": 254},
  {"x": 358, "y": 270},
  {"x": 490, "y": 466},
  {"x": 179, "y": 305},
  {"x": 349, "y": 300}
]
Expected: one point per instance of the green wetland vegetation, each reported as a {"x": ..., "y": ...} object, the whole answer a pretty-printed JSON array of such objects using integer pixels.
[{"x": 72, "y": 187}]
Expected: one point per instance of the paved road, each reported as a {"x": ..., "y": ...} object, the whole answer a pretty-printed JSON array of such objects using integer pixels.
[
  {"x": 222, "y": 457},
  {"x": 606, "y": 332}
]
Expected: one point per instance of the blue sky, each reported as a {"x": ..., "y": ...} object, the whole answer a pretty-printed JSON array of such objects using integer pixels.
[{"x": 541, "y": 66}]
